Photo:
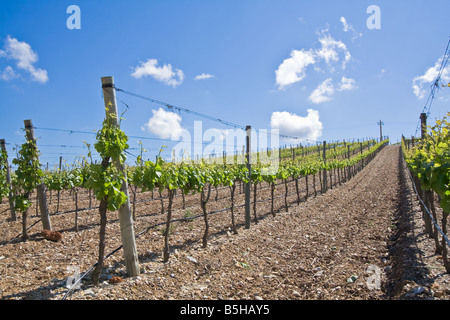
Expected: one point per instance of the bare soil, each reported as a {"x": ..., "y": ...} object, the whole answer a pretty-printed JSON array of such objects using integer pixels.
[{"x": 361, "y": 240}]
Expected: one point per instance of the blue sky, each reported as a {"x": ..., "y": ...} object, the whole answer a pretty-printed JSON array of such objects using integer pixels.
[{"x": 312, "y": 69}]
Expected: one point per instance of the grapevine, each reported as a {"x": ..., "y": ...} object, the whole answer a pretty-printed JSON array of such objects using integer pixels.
[
  {"x": 4, "y": 187},
  {"x": 429, "y": 161},
  {"x": 106, "y": 180},
  {"x": 27, "y": 176}
]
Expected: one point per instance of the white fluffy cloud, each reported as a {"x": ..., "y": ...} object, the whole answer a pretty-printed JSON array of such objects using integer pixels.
[
  {"x": 290, "y": 124},
  {"x": 347, "y": 84},
  {"x": 203, "y": 76},
  {"x": 332, "y": 49},
  {"x": 293, "y": 69},
  {"x": 8, "y": 74},
  {"x": 430, "y": 77},
  {"x": 165, "y": 73},
  {"x": 325, "y": 91},
  {"x": 24, "y": 57},
  {"x": 164, "y": 124}
]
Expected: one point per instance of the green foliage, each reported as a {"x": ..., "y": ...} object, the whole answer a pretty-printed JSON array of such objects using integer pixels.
[
  {"x": 309, "y": 165},
  {"x": 106, "y": 184},
  {"x": 146, "y": 175},
  {"x": 189, "y": 177},
  {"x": 4, "y": 189},
  {"x": 27, "y": 175},
  {"x": 66, "y": 180},
  {"x": 105, "y": 179},
  {"x": 111, "y": 141},
  {"x": 430, "y": 161}
]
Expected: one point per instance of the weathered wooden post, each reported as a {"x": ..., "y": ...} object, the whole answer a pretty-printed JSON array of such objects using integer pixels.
[
  {"x": 59, "y": 192},
  {"x": 348, "y": 158},
  {"x": 40, "y": 189},
  {"x": 325, "y": 187},
  {"x": 426, "y": 194},
  {"x": 248, "y": 156},
  {"x": 125, "y": 216},
  {"x": 423, "y": 122}
]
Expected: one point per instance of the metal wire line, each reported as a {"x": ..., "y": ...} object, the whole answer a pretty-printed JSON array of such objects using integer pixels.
[
  {"x": 134, "y": 137},
  {"x": 445, "y": 58},
  {"x": 60, "y": 146},
  {"x": 66, "y": 130},
  {"x": 173, "y": 107},
  {"x": 170, "y": 107},
  {"x": 435, "y": 85}
]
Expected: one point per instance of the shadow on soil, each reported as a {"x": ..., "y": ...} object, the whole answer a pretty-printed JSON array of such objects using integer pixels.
[{"x": 406, "y": 257}]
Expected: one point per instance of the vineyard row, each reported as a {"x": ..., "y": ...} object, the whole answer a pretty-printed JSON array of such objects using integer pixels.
[{"x": 428, "y": 161}]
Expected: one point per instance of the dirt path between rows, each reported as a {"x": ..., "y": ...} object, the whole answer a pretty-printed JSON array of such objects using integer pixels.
[
  {"x": 361, "y": 240},
  {"x": 339, "y": 245}
]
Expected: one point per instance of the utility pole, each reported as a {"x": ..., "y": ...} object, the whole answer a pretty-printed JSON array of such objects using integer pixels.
[
  {"x": 8, "y": 181},
  {"x": 40, "y": 189},
  {"x": 248, "y": 131},
  {"x": 125, "y": 216},
  {"x": 381, "y": 124}
]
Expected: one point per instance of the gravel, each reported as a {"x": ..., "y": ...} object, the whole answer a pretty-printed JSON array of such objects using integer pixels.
[{"x": 362, "y": 240}]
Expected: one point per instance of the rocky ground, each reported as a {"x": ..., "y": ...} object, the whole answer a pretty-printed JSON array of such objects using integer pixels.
[{"x": 362, "y": 240}]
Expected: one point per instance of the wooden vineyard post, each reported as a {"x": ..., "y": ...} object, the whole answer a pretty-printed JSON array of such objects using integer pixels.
[
  {"x": 348, "y": 158},
  {"x": 423, "y": 122},
  {"x": 361, "y": 152},
  {"x": 40, "y": 189},
  {"x": 8, "y": 180},
  {"x": 125, "y": 217},
  {"x": 248, "y": 130},
  {"x": 59, "y": 192},
  {"x": 426, "y": 194},
  {"x": 324, "y": 169}
]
